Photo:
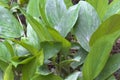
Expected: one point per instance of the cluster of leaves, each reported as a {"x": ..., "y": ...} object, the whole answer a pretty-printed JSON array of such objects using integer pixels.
[{"x": 44, "y": 50}]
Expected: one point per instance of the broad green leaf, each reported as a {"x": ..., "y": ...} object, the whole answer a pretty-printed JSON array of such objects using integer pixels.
[
  {"x": 98, "y": 55},
  {"x": 29, "y": 69},
  {"x": 8, "y": 74},
  {"x": 55, "y": 9},
  {"x": 113, "y": 8},
  {"x": 33, "y": 10},
  {"x": 32, "y": 37},
  {"x": 101, "y": 6},
  {"x": 73, "y": 76},
  {"x": 51, "y": 49},
  {"x": 41, "y": 30},
  {"x": 112, "y": 65},
  {"x": 88, "y": 21},
  {"x": 109, "y": 26},
  {"x": 4, "y": 53},
  {"x": 68, "y": 3},
  {"x": 9, "y": 26},
  {"x": 47, "y": 77},
  {"x": 61, "y": 19}
]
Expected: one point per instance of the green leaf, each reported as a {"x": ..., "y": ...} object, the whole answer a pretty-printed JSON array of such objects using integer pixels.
[
  {"x": 51, "y": 49},
  {"x": 29, "y": 69},
  {"x": 81, "y": 56},
  {"x": 61, "y": 19},
  {"x": 40, "y": 58},
  {"x": 21, "y": 60},
  {"x": 111, "y": 78},
  {"x": 88, "y": 21},
  {"x": 46, "y": 77},
  {"x": 73, "y": 76},
  {"x": 33, "y": 10},
  {"x": 4, "y": 4},
  {"x": 8, "y": 75},
  {"x": 112, "y": 65},
  {"x": 101, "y": 6},
  {"x": 98, "y": 55},
  {"x": 113, "y": 8},
  {"x": 57, "y": 37},
  {"x": 20, "y": 50},
  {"x": 1, "y": 75},
  {"x": 30, "y": 48},
  {"x": 10, "y": 48},
  {"x": 4, "y": 53},
  {"x": 38, "y": 27},
  {"x": 3, "y": 65},
  {"x": 68, "y": 3},
  {"x": 32, "y": 37},
  {"x": 42, "y": 10},
  {"x": 66, "y": 62},
  {"x": 9, "y": 26},
  {"x": 55, "y": 9},
  {"x": 109, "y": 26}
]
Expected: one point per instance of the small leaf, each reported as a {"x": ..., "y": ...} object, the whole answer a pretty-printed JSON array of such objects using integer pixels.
[{"x": 51, "y": 49}]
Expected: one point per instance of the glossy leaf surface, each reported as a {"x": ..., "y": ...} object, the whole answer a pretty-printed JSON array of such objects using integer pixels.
[
  {"x": 9, "y": 26},
  {"x": 88, "y": 21},
  {"x": 61, "y": 19}
]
